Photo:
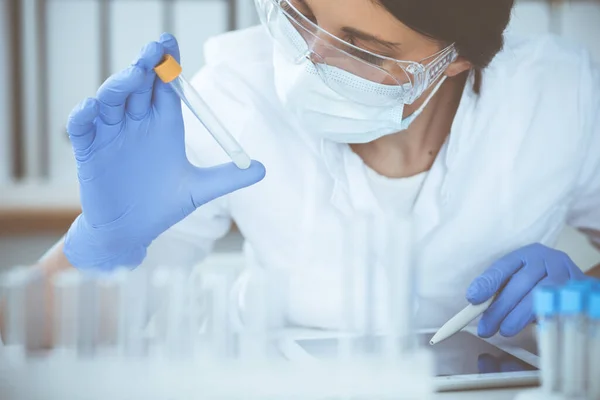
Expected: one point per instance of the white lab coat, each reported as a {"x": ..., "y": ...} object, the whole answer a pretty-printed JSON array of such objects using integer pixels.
[{"x": 521, "y": 161}]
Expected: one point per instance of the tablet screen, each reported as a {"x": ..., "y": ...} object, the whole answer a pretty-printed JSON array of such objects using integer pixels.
[{"x": 461, "y": 354}]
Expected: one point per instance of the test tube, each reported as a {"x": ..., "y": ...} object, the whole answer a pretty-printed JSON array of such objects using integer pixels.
[
  {"x": 370, "y": 273},
  {"x": 254, "y": 332},
  {"x": 36, "y": 323},
  {"x": 169, "y": 71},
  {"x": 133, "y": 313},
  {"x": 354, "y": 261},
  {"x": 219, "y": 335},
  {"x": 177, "y": 334},
  {"x": 14, "y": 284},
  {"x": 572, "y": 306},
  {"x": 108, "y": 303},
  {"x": 546, "y": 307},
  {"x": 594, "y": 343},
  {"x": 66, "y": 299},
  {"x": 402, "y": 281},
  {"x": 87, "y": 336},
  {"x": 196, "y": 315}
]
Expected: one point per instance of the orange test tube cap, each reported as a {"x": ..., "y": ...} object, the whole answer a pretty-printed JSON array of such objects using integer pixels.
[{"x": 168, "y": 69}]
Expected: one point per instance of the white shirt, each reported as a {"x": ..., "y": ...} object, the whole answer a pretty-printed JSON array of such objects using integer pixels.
[
  {"x": 521, "y": 161},
  {"x": 395, "y": 195}
]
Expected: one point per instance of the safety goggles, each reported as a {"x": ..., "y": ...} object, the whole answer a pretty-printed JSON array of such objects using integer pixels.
[{"x": 381, "y": 80}]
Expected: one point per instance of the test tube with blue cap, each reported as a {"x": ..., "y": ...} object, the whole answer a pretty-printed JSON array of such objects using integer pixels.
[
  {"x": 169, "y": 71},
  {"x": 572, "y": 306},
  {"x": 546, "y": 310},
  {"x": 593, "y": 314}
]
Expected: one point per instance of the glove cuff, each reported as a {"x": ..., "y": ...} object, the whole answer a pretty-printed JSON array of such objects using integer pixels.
[{"x": 86, "y": 252}]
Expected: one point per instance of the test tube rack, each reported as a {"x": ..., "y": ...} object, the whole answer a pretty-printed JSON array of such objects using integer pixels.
[
  {"x": 174, "y": 335},
  {"x": 568, "y": 318}
]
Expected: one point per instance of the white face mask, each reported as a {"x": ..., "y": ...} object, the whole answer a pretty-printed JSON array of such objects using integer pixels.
[{"x": 331, "y": 116}]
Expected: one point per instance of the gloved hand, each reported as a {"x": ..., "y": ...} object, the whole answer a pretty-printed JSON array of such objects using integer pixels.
[
  {"x": 514, "y": 276},
  {"x": 135, "y": 179}
]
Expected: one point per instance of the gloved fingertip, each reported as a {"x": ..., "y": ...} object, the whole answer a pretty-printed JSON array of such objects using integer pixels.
[
  {"x": 90, "y": 104},
  {"x": 257, "y": 170},
  {"x": 150, "y": 55},
  {"x": 507, "y": 332},
  {"x": 166, "y": 37},
  {"x": 475, "y": 295},
  {"x": 513, "y": 324},
  {"x": 83, "y": 113},
  {"x": 480, "y": 290},
  {"x": 171, "y": 46},
  {"x": 137, "y": 71},
  {"x": 247, "y": 176},
  {"x": 483, "y": 330}
]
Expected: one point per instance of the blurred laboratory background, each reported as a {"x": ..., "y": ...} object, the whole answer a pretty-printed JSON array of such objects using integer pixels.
[{"x": 54, "y": 53}]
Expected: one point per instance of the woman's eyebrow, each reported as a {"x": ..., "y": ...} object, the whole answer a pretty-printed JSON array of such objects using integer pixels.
[
  {"x": 360, "y": 34},
  {"x": 304, "y": 3},
  {"x": 370, "y": 38}
]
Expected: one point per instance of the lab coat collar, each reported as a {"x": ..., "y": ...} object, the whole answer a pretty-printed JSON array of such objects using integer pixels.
[{"x": 351, "y": 190}]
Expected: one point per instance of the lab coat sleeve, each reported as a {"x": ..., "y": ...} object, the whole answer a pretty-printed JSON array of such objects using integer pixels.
[{"x": 585, "y": 212}]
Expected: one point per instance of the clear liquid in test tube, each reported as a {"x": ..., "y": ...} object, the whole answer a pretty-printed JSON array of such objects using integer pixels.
[
  {"x": 169, "y": 71},
  {"x": 355, "y": 259},
  {"x": 178, "y": 338},
  {"x": 87, "y": 318},
  {"x": 13, "y": 285},
  {"x": 133, "y": 313},
  {"x": 218, "y": 335},
  {"x": 66, "y": 301},
  {"x": 572, "y": 299},
  {"x": 546, "y": 310},
  {"x": 594, "y": 343},
  {"x": 402, "y": 280}
]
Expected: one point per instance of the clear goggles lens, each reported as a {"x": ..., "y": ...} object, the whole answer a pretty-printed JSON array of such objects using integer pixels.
[{"x": 382, "y": 80}]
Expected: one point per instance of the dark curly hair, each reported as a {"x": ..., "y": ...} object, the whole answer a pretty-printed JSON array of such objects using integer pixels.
[{"x": 475, "y": 26}]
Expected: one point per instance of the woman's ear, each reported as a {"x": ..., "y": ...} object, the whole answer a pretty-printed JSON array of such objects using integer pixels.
[{"x": 459, "y": 66}]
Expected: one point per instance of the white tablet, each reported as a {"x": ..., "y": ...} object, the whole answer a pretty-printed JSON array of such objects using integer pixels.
[{"x": 463, "y": 361}]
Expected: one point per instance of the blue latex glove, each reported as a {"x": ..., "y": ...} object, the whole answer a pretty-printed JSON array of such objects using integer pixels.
[
  {"x": 135, "y": 179},
  {"x": 514, "y": 276}
]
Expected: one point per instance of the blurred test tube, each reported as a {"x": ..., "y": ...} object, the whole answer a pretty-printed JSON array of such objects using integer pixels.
[
  {"x": 13, "y": 284},
  {"x": 108, "y": 306},
  {"x": 546, "y": 309},
  {"x": 254, "y": 332},
  {"x": 219, "y": 338},
  {"x": 88, "y": 312},
  {"x": 178, "y": 340},
  {"x": 572, "y": 304},
  {"x": 355, "y": 260},
  {"x": 594, "y": 344},
  {"x": 66, "y": 303},
  {"x": 133, "y": 313},
  {"x": 401, "y": 288}
]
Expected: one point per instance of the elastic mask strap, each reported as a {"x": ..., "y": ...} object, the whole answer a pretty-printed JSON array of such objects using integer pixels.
[{"x": 433, "y": 92}]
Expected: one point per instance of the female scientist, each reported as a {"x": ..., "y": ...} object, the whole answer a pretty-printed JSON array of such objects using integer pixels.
[{"x": 358, "y": 109}]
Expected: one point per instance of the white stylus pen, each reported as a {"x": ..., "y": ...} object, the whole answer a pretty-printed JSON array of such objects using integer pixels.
[{"x": 460, "y": 320}]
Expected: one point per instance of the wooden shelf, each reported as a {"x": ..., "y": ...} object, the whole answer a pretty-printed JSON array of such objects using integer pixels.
[{"x": 36, "y": 221}]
